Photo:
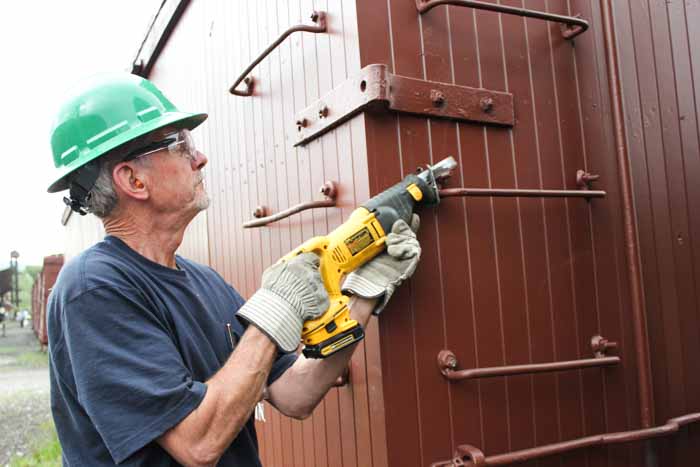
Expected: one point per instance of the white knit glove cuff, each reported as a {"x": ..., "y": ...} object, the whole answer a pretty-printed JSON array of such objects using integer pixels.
[{"x": 274, "y": 316}]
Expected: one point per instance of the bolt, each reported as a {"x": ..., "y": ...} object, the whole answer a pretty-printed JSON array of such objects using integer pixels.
[
  {"x": 302, "y": 123},
  {"x": 323, "y": 112},
  {"x": 438, "y": 97},
  {"x": 446, "y": 361},
  {"x": 314, "y": 16},
  {"x": 584, "y": 179},
  {"x": 600, "y": 345},
  {"x": 328, "y": 189},
  {"x": 486, "y": 104},
  {"x": 259, "y": 212}
]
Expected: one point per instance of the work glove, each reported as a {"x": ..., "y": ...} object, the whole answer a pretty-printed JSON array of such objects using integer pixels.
[
  {"x": 291, "y": 292},
  {"x": 382, "y": 275}
]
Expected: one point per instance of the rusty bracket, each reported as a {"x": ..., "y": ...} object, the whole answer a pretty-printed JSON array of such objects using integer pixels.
[
  {"x": 447, "y": 364},
  {"x": 318, "y": 17},
  {"x": 572, "y": 26},
  {"x": 377, "y": 88},
  {"x": 329, "y": 190}
]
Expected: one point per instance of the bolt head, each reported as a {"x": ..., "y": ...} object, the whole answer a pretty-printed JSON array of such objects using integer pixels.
[
  {"x": 486, "y": 104},
  {"x": 437, "y": 97}
]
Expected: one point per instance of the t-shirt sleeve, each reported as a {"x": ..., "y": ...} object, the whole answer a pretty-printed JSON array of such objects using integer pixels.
[{"x": 130, "y": 377}]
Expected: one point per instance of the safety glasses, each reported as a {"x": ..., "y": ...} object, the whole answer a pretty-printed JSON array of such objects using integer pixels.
[{"x": 180, "y": 143}]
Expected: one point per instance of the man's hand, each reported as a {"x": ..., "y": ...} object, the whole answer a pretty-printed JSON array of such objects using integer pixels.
[
  {"x": 291, "y": 293},
  {"x": 380, "y": 277}
]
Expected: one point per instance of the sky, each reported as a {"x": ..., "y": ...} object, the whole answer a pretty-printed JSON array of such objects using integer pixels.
[{"x": 47, "y": 46}]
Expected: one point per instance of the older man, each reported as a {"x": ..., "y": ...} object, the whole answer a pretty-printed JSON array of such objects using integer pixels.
[{"x": 155, "y": 359}]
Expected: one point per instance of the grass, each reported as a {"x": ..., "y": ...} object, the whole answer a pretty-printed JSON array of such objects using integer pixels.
[
  {"x": 33, "y": 359},
  {"x": 46, "y": 450}
]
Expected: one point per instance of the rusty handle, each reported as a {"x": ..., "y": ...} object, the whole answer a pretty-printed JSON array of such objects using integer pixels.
[
  {"x": 318, "y": 17},
  {"x": 467, "y": 455},
  {"x": 573, "y": 26},
  {"x": 329, "y": 190},
  {"x": 521, "y": 193},
  {"x": 447, "y": 363}
]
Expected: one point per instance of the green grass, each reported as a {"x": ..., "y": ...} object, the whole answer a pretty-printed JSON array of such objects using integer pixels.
[
  {"x": 46, "y": 450},
  {"x": 33, "y": 359}
]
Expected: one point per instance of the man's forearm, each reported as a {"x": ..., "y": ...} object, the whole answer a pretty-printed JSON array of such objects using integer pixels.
[
  {"x": 297, "y": 392},
  {"x": 203, "y": 436}
]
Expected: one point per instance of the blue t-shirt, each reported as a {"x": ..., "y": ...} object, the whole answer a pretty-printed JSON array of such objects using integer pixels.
[{"x": 131, "y": 344}]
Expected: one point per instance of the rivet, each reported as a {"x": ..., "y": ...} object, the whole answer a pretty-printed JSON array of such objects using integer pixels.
[
  {"x": 486, "y": 104},
  {"x": 437, "y": 97}
]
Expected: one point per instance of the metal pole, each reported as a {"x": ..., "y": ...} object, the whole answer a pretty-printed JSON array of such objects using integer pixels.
[
  {"x": 639, "y": 322},
  {"x": 14, "y": 255}
]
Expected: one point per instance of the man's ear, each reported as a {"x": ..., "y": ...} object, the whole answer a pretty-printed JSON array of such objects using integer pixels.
[{"x": 130, "y": 181}]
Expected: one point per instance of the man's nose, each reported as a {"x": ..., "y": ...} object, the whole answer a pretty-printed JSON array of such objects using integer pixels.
[{"x": 199, "y": 161}]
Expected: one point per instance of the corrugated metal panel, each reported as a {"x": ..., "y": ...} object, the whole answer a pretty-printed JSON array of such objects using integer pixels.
[
  {"x": 659, "y": 60},
  {"x": 252, "y": 162},
  {"x": 520, "y": 280},
  {"x": 81, "y": 233}
]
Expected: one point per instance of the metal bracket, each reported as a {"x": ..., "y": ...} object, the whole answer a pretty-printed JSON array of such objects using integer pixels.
[{"x": 375, "y": 87}]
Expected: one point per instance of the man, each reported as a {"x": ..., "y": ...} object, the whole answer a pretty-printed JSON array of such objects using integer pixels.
[{"x": 154, "y": 359}]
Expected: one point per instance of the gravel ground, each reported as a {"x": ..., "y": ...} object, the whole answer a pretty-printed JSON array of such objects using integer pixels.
[{"x": 24, "y": 393}]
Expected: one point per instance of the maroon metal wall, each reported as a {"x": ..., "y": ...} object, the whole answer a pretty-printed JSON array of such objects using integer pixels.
[
  {"x": 252, "y": 162},
  {"x": 504, "y": 281},
  {"x": 659, "y": 50}
]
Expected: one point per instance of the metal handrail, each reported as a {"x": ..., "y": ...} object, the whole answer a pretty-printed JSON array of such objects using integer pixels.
[
  {"x": 318, "y": 17},
  {"x": 447, "y": 363},
  {"x": 574, "y": 25},
  {"x": 329, "y": 189},
  {"x": 505, "y": 192},
  {"x": 467, "y": 455}
]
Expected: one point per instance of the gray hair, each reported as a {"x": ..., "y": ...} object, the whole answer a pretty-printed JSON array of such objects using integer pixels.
[{"x": 103, "y": 196}]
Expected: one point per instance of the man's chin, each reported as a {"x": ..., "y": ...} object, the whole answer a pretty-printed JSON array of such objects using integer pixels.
[{"x": 203, "y": 202}]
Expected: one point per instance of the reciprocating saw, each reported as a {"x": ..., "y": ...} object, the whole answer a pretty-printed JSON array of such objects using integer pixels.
[{"x": 352, "y": 244}]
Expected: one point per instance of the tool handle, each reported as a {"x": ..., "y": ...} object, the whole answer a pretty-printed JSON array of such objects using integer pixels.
[{"x": 398, "y": 201}]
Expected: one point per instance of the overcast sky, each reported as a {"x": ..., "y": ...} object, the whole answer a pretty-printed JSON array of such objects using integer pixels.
[{"x": 47, "y": 46}]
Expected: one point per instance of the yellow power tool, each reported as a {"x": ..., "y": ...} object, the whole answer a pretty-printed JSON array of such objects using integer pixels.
[{"x": 355, "y": 242}]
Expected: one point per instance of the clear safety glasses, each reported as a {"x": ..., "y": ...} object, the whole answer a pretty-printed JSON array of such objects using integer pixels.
[{"x": 180, "y": 143}]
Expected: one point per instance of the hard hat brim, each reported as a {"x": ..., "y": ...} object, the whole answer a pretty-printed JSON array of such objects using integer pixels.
[{"x": 176, "y": 120}]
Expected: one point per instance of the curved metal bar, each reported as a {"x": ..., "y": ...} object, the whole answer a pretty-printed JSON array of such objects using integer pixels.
[
  {"x": 574, "y": 25},
  {"x": 328, "y": 189},
  {"x": 318, "y": 17},
  {"x": 501, "y": 192},
  {"x": 447, "y": 363},
  {"x": 466, "y": 455}
]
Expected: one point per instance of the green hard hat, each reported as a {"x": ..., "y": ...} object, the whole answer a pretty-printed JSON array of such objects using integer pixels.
[{"x": 105, "y": 112}]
